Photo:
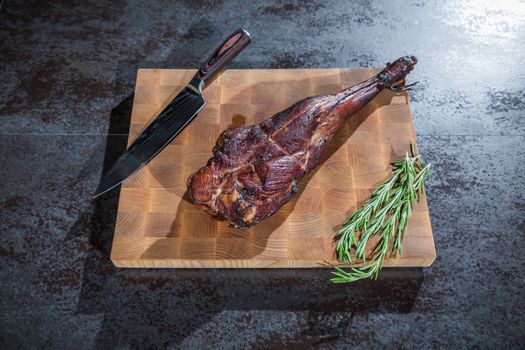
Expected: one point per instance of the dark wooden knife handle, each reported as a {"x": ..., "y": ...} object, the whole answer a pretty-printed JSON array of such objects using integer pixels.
[{"x": 223, "y": 54}]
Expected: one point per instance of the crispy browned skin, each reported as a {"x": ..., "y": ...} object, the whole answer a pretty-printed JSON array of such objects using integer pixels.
[{"x": 255, "y": 169}]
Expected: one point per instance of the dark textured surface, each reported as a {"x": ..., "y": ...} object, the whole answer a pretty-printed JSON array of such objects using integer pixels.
[{"x": 67, "y": 73}]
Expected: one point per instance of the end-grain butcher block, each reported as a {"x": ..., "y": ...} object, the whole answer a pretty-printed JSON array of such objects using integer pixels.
[
  {"x": 255, "y": 169},
  {"x": 158, "y": 225}
]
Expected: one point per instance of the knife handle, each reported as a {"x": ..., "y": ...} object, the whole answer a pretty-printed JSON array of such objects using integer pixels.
[{"x": 223, "y": 54}]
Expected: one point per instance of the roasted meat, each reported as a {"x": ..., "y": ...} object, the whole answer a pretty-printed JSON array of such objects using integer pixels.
[{"x": 255, "y": 169}]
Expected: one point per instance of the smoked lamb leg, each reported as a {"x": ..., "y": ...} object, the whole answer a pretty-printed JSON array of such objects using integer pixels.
[{"x": 255, "y": 169}]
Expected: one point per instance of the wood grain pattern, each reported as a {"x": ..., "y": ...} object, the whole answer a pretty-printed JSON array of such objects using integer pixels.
[
  {"x": 222, "y": 55},
  {"x": 157, "y": 226}
]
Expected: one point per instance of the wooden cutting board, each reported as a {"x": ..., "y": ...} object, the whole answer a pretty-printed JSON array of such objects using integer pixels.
[{"x": 157, "y": 225}]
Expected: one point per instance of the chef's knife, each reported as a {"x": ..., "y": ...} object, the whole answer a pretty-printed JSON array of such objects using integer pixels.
[{"x": 177, "y": 114}]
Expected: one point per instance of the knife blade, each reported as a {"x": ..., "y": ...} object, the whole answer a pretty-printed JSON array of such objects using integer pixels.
[{"x": 175, "y": 116}]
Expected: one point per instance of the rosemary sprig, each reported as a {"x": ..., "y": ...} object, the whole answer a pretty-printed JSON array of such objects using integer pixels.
[{"x": 384, "y": 214}]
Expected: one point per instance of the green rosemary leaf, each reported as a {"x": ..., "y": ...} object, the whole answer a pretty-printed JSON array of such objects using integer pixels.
[{"x": 385, "y": 214}]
